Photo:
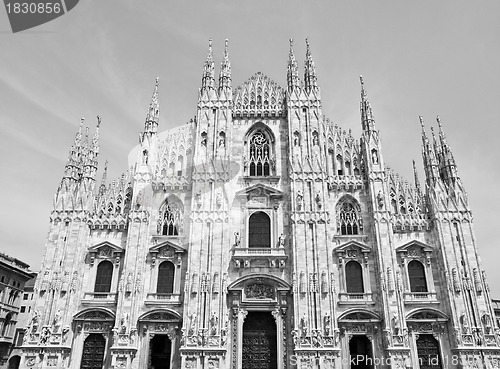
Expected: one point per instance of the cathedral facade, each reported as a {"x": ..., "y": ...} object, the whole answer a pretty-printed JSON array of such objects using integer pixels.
[{"x": 261, "y": 235}]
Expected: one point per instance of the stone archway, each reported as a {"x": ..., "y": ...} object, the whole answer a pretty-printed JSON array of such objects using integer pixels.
[
  {"x": 250, "y": 296},
  {"x": 160, "y": 339},
  {"x": 259, "y": 349}
]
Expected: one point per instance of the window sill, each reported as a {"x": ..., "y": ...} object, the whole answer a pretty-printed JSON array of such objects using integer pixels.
[
  {"x": 415, "y": 298},
  {"x": 163, "y": 299},
  {"x": 99, "y": 298},
  {"x": 355, "y": 298}
]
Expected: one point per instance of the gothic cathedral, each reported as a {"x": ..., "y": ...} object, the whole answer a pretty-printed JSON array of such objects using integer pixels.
[{"x": 260, "y": 235}]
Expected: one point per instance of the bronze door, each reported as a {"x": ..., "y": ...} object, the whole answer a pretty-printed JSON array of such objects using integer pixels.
[
  {"x": 259, "y": 341},
  {"x": 428, "y": 352},
  {"x": 93, "y": 352}
]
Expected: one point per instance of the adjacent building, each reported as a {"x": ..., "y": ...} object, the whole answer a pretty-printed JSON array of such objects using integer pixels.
[
  {"x": 261, "y": 235},
  {"x": 13, "y": 276}
]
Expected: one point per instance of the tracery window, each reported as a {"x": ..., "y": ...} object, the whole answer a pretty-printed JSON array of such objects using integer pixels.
[
  {"x": 260, "y": 154},
  {"x": 103, "y": 277},
  {"x": 259, "y": 230},
  {"x": 348, "y": 217},
  {"x": 170, "y": 219},
  {"x": 165, "y": 283}
]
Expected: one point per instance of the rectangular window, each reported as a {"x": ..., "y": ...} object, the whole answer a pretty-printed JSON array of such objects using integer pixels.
[
  {"x": 19, "y": 337},
  {"x": 25, "y": 296},
  {"x": 23, "y": 309}
]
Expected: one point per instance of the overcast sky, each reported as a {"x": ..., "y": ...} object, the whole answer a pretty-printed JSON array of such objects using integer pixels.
[{"x": 418, "y": 58}]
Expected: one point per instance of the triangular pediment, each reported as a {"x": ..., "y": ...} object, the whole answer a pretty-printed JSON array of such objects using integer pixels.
[
  {"x": 167, "y": 246},
  {"x": 106, "y": 247},
  {"x": 260, "y": 189},
  {"x": 412, "y": 244},
  {"x": 353, "y": 245}
]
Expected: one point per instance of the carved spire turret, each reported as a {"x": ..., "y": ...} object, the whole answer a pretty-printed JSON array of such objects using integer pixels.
[
  {"x": 102, "y": 187},
  {"x": 225, "y": 72},
  {"x": 208, "y": 78},
  {"x": 153, "y": 116},
  {"x": 92, "y": 154},
  {"x": 447, "y": 163},
  {"x": 367, "y": 120},
  {"x": 73, "y": 165},
  {"x": 310, "y": 78},
  {"x": 429, "y": 157},
  {"x": 293, "y": 80},
  {"x": 415, "y": 176}
]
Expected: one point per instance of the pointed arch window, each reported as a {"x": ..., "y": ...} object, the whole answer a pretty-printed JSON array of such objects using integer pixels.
[
  {"x": 103, "y": 277},
  {"x": 354, "y": 277},
  {"x": 416, "y": 276},
  {"x": 260, "y": 154},
  {"x": 166, "y": 274},
  {"x": 259, "y": 230},
  {"x": 170, "y": 219},
  {"x": 348, "y": 217}
]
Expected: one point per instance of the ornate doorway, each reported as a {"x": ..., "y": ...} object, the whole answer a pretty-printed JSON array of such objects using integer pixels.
[
  {"x": 428, "y": 352},
  {"x": 360, "y": 352},
  {"x": 161, "y": 350},
  {"x": 259, "y": 341},
  {"x": 93, "y": 352}
]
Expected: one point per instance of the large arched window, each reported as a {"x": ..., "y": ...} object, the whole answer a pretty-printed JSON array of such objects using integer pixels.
[
  {"x": 93, "y": 351},
  {"x": 170, "y": 219},
  {"x": 354, "y": 277},
  {"x": 103, "y": 277},
  {"x": 260, "y": 154},
  {"x": 165, "y": 283},
  {"x": 416, "y": 275},
  {"x": 348, "y": 217},
  {"x": 259, "y": 230}
]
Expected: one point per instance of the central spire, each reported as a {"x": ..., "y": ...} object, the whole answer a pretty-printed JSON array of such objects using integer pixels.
[
  {"x": 367, "y": 120},
  {"x": 225, "y": 71},
  {"x": 208, "y": 78},
  {"x": 310, "y": 79},
  {"x": 153, "y": 117},
  {"x": 293, "y": 80}
]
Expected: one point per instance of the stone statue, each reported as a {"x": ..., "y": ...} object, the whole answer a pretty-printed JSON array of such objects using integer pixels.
[
  {"x": 214, "y": 320},
  {"x": 237, "y": 239},
  {"x": 304, "y": 325},
  {"x": 56, "y": 323},
  {"x": 44, "y": 336},
  {"x": 326, "y": 323},
  {"x": 374, "y": 157},
  {"x": 281, "y": 241},
  {"x": 192, "y": 324}
]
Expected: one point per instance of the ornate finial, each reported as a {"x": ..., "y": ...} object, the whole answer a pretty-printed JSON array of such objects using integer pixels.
[
  {"x": 98, "y": 121},
  {"x": 293, "y": 80},
  {"x": 225, "y": 73},
  {"x": 438, "y": 121},
  {"x": 82, "y": 119},
  {"x": 367, "y": 119},
  {"x": 307, "y": 46},
  {"x": 363, "y": 92},
  {"x": 421, "y": 119},
  {"x": 210, "y": 48},
  {"x": 415, "y": 174}
]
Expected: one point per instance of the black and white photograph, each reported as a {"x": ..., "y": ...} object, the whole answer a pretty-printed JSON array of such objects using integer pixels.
[{"x": 249, "y": 185}]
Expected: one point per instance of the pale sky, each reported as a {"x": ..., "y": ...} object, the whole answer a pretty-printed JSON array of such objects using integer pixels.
[{"x": 418, "y": 58}]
